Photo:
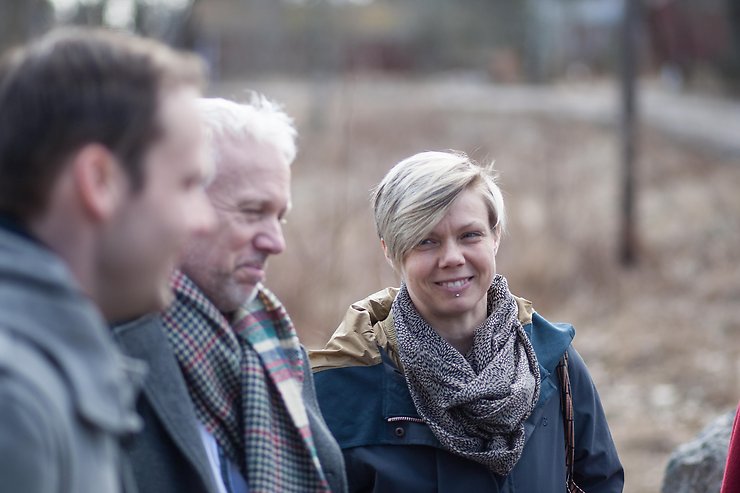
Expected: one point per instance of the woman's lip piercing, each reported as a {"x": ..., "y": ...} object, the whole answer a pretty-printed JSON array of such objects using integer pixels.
[{"x": 457, "y": 295}]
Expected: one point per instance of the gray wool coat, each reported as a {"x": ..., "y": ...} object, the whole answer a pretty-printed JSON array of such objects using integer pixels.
[
  {"x": 169, "y": 456},
  {"x": 66, "y": 394}
]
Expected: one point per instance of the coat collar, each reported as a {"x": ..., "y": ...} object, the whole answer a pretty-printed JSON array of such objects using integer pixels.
[
  {"x": 43, "y": 304},
  {"x": 366, "y": 336},
  {"x": 10, "y": 224},
  {"x": 368, "y": 325},
  {"x": 165, "y": 388}
]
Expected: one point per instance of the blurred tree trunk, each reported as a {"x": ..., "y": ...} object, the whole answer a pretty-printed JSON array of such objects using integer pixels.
[
  {"x": 186, "y": 36},
  {"x": 91, "y": 14},
  {"x": 630, "y": 38},
  {"x": 272, "y": 16},
  {"x": 20, "y": 20},
  {"x": 11, "y": 25},
  {"x": 733, "y": 20},
  {"x": 175, "y": 27}
]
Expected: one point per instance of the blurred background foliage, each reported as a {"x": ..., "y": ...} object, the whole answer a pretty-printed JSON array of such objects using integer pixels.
[
  {"x": 686, "y": 41},
  {"x": 533, "y": 84}
]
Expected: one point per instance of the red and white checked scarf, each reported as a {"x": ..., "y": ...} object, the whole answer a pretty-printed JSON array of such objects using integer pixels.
[{"x": 245, "y": 381}]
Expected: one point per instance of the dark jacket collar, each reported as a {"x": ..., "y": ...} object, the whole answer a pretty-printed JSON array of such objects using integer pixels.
[
  {"x": 13, "y": 225},
  {"x": 165, "y": 388}
]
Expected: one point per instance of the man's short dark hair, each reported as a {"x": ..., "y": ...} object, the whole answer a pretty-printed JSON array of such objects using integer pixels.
[{"x": 74, "y": 87}]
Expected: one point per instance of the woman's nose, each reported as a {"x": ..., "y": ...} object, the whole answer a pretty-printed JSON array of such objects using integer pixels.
[{"x": 451, "y": 255}]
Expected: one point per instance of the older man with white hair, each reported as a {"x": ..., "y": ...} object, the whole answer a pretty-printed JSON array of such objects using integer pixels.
[{"x": 230, "y": 404}]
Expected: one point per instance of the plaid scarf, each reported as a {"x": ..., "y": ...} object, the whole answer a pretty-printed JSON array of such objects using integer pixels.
[
  {"x": 475, "y": 404},
  {"x": 245, "y": 381}
]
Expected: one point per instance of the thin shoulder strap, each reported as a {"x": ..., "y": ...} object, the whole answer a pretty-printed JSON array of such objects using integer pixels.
[{"x": 566, "y": 402}]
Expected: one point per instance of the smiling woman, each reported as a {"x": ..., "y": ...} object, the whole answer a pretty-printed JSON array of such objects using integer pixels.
[
  {"x": 445, "y": 246},
  {"x": 459, "y": 377},
  {"x": 449, "y": 272}
]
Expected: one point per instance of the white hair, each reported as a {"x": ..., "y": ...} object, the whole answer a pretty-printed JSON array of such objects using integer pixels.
[
  {"x": 417, "y": 193},
  {"x": 259, "y": 118}
]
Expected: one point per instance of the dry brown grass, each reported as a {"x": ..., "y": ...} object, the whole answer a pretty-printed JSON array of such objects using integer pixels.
[{"x": 662, "y": 339}]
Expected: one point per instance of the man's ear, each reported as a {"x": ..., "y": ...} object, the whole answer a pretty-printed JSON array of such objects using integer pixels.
[{"x": 99, "y": 180}]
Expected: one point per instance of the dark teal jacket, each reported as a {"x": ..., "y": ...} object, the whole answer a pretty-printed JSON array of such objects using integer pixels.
[{"x": 387, "y": 447}]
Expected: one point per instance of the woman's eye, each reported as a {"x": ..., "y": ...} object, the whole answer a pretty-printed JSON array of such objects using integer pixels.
[
  {"x": 472, "y": 235},
  {"x": 425, "y": 243}
]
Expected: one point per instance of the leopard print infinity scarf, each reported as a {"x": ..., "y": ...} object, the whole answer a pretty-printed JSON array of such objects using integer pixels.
[{"x": 475, "y": 404}]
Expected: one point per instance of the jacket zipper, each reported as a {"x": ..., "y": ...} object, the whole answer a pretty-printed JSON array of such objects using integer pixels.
[{"x": 404, "y": 418}]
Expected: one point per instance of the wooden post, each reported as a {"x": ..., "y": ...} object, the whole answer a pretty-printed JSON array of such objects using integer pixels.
[{"x": 628, "y": 240}]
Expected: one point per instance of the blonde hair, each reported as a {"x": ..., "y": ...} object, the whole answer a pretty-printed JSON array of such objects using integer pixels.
[{"x": 418, "y": 191}]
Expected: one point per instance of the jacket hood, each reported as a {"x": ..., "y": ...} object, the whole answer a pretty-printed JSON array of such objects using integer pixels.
[{"x": 368, "y": 326}]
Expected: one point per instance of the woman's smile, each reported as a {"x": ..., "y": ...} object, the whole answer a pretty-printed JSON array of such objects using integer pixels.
[
  {"x": 448, "y": 274},
  {"x": 455, "y": 285}
]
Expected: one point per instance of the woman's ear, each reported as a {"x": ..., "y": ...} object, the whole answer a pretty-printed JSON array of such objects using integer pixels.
[
  {"x": 387, "y": 255},
  {"x": 496, "y": 239}
]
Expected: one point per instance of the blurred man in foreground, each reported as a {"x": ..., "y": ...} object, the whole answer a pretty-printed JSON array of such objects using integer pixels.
[
  {"x": 101, "y": 155},
  {"x": 230, "y": 406}
]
